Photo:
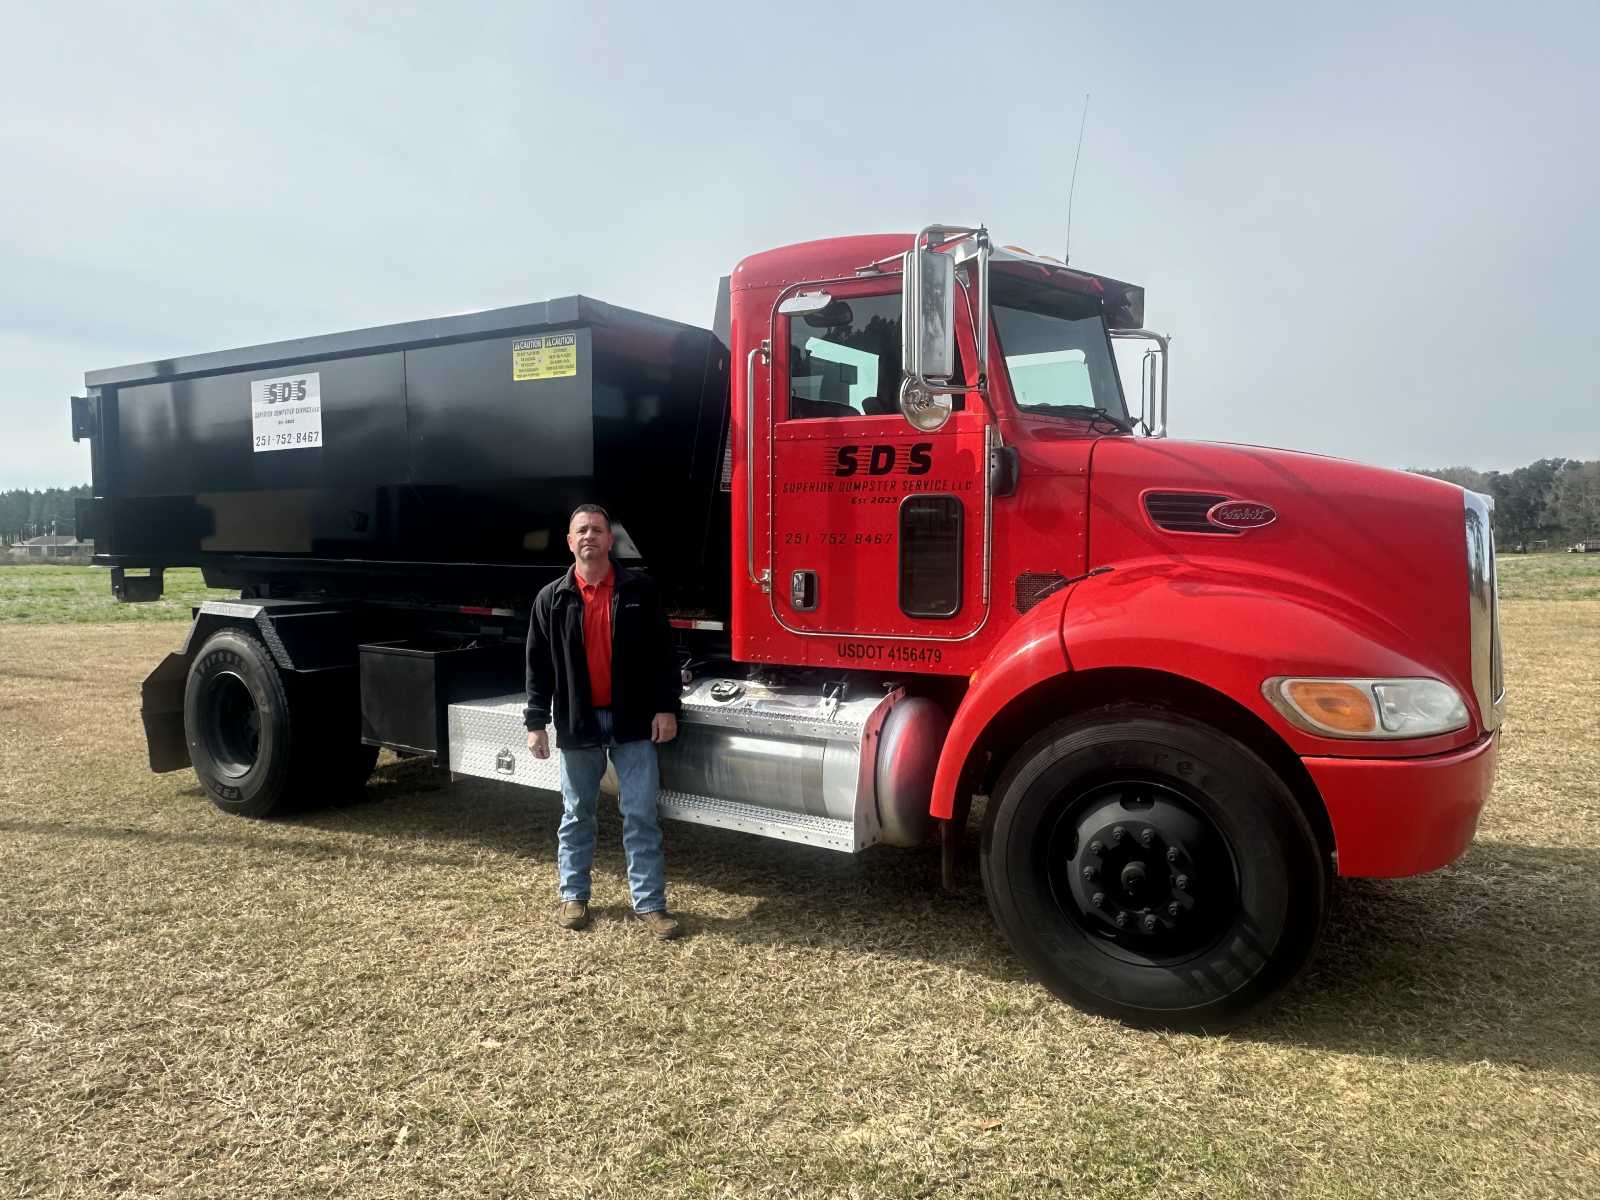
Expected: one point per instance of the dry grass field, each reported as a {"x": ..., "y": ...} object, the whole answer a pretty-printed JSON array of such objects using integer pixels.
[{"x": 369, "y": 1001}]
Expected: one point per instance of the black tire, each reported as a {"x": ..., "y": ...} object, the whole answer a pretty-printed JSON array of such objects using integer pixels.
[
  {"x": 263, "y": 744},
  {"x": 1216, "y": 876}
]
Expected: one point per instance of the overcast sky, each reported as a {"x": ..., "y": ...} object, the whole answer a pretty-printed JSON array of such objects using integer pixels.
[{"x": 1370, "y": 236}]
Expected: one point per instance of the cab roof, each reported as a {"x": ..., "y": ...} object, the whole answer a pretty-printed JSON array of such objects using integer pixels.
[{"x": 840, "y": 257}]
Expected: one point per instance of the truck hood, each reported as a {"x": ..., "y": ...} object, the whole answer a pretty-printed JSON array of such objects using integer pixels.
[{"x": 1385, "y": 549}]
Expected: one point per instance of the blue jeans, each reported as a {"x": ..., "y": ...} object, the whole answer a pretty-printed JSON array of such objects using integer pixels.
[{"x": 640, "y": 780}]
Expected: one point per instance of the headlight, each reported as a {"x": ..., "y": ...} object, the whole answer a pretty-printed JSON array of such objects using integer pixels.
[{"x": 1367, "y": 708}]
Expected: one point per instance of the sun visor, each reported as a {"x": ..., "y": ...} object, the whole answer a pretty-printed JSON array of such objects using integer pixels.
[{"x": 1124, "y": 302}]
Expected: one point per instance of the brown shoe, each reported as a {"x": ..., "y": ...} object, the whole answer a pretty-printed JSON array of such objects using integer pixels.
[
  {"x": 572, "y": 914},
  {"x": 661, "y": 925}
]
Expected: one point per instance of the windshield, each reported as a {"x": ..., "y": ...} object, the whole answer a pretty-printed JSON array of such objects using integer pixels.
[{"x": 1056, "y": 348}]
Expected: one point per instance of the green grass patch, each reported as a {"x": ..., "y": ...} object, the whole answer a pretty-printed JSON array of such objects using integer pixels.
[
  {"x": 58, "y": 594},
  {"x": 1555, "y": 576}
]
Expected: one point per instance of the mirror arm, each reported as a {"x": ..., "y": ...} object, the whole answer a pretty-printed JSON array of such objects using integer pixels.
[
  {"x": 912, "y": 285},
  {"x": 1162, "y": 342},
  {"x": 981, "y": 332}
]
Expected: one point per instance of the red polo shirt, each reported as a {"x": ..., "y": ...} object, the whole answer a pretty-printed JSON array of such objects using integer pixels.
[{"x": 597, "y": 636}]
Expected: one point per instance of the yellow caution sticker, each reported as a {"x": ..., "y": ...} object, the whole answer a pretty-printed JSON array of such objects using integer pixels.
[{"x": 553, "y": 356}]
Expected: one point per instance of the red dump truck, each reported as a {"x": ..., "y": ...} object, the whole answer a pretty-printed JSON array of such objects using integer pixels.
[{"x": 919, "y": 549}]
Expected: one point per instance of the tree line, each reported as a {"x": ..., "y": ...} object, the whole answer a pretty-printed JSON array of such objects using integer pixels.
[
  {"x": 25, "y": 514},
  {"x": 1555, "y": 500}
]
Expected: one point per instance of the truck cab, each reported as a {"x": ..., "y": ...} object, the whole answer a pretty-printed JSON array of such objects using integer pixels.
[{"x": 943, "y": 477}]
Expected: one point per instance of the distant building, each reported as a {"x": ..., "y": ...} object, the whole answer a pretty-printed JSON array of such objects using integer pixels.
[{"x": 52, "y": 545}]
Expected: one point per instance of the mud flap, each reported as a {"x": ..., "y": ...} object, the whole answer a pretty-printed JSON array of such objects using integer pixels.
[{"x": 161, "y": 707}]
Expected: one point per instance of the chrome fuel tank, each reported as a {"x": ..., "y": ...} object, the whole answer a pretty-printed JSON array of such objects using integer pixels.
[
  {"x": 781, "y": 761},
  {"x": 787, "y": 748}
]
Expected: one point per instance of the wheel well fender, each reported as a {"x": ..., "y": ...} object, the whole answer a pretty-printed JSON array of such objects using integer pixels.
[
  {"x": 300, "y": 636},
  {"x": 1186, "y": 636},
  {"x": 1030, "y": 655},
  {"x": 1230, "y": 630},
  {"x": 1077, "y": 691}
]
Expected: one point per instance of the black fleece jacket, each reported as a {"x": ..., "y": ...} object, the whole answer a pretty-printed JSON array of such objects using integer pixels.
[{"x": 644, "y": 667}]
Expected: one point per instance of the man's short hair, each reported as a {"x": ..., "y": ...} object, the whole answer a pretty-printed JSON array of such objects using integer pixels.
[{"x": 588, "y": 508}]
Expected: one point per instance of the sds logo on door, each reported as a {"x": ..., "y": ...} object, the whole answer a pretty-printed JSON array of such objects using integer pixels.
[{"x": 884, "y": 459}]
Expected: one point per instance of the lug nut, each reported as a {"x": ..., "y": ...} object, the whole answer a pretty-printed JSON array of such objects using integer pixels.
[
  {"x": 1117, "y": 835},
  {"x": 1172, "y": 854},
  {"x": 1173, "y": 909},
  {"x": 1090, "y": 871},
  {"x": 1149, "y": 923},
  {"x": 1147, "y": 838},
  {"x": 1096, "y": 846},
  {"x": 1098, "y": 899},
  {"x": 1181, "y": 883},
  {"x": 1122, "y": 920}
]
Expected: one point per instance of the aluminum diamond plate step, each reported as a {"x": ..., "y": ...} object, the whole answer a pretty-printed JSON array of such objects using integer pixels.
[
  {"x": 488, "y": 741},
  {"x": 767, "y": 822}
]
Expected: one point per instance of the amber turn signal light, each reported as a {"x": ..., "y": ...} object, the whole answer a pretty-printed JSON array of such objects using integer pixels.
[{"x": 1334, "y": 706}]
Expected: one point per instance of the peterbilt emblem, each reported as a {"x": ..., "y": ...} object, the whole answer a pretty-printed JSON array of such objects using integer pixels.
[{"x": 1241, "y": 514}]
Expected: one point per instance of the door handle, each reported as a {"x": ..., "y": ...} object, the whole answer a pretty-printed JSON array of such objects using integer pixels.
[{"x": 803, "y": 591}]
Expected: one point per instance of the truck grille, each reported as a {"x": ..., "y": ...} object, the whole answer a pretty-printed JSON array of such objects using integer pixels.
[
  {"x": 1483, "y": 606},
  {"x": 1184, "y": 512}
]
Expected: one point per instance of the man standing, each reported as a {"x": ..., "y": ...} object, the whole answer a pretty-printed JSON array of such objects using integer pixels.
[{"x": 600, "y": 660}]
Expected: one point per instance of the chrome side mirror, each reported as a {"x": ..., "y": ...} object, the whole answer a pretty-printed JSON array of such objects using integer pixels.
[
  {"x": 927, "y": 337},
  {"x": 929, "y": 340},
  {"x": 1148, "y": 368},
  {"x": 928, "y": 326},
  {"x": 1152, "y": 378}
]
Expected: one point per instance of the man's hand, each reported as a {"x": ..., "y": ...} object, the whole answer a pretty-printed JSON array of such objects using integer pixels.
[
  {"x": 539, "y": 742},
  {"x": 663, "y": 728}
]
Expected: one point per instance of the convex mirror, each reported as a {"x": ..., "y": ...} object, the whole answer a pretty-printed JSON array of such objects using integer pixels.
[{"x": 925, "y": 411}]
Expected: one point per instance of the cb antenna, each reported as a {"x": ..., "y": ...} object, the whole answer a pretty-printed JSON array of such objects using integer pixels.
[{"x": 1072, "y": 187}]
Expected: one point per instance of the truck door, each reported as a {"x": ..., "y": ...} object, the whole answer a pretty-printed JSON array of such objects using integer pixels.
[{"x": 878, "y": 530}]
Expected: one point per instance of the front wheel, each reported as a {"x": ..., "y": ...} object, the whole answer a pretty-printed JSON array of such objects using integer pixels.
[{"x": 1153, "y": 869}]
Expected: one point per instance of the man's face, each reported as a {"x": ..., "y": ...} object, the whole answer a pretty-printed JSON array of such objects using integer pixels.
[{"x": 589, "y": 538}]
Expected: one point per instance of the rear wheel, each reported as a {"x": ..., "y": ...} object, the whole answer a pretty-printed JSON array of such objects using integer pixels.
[
  {"x": 1153, "y": 869},
  {"x": 261, "y": 742}
]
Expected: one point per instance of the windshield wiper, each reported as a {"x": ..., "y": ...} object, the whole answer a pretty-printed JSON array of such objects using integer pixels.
[{"x": 1083, "y": 410}]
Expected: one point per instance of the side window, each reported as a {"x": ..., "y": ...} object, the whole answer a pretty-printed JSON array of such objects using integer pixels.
[{"x": 844, "y": 360}]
